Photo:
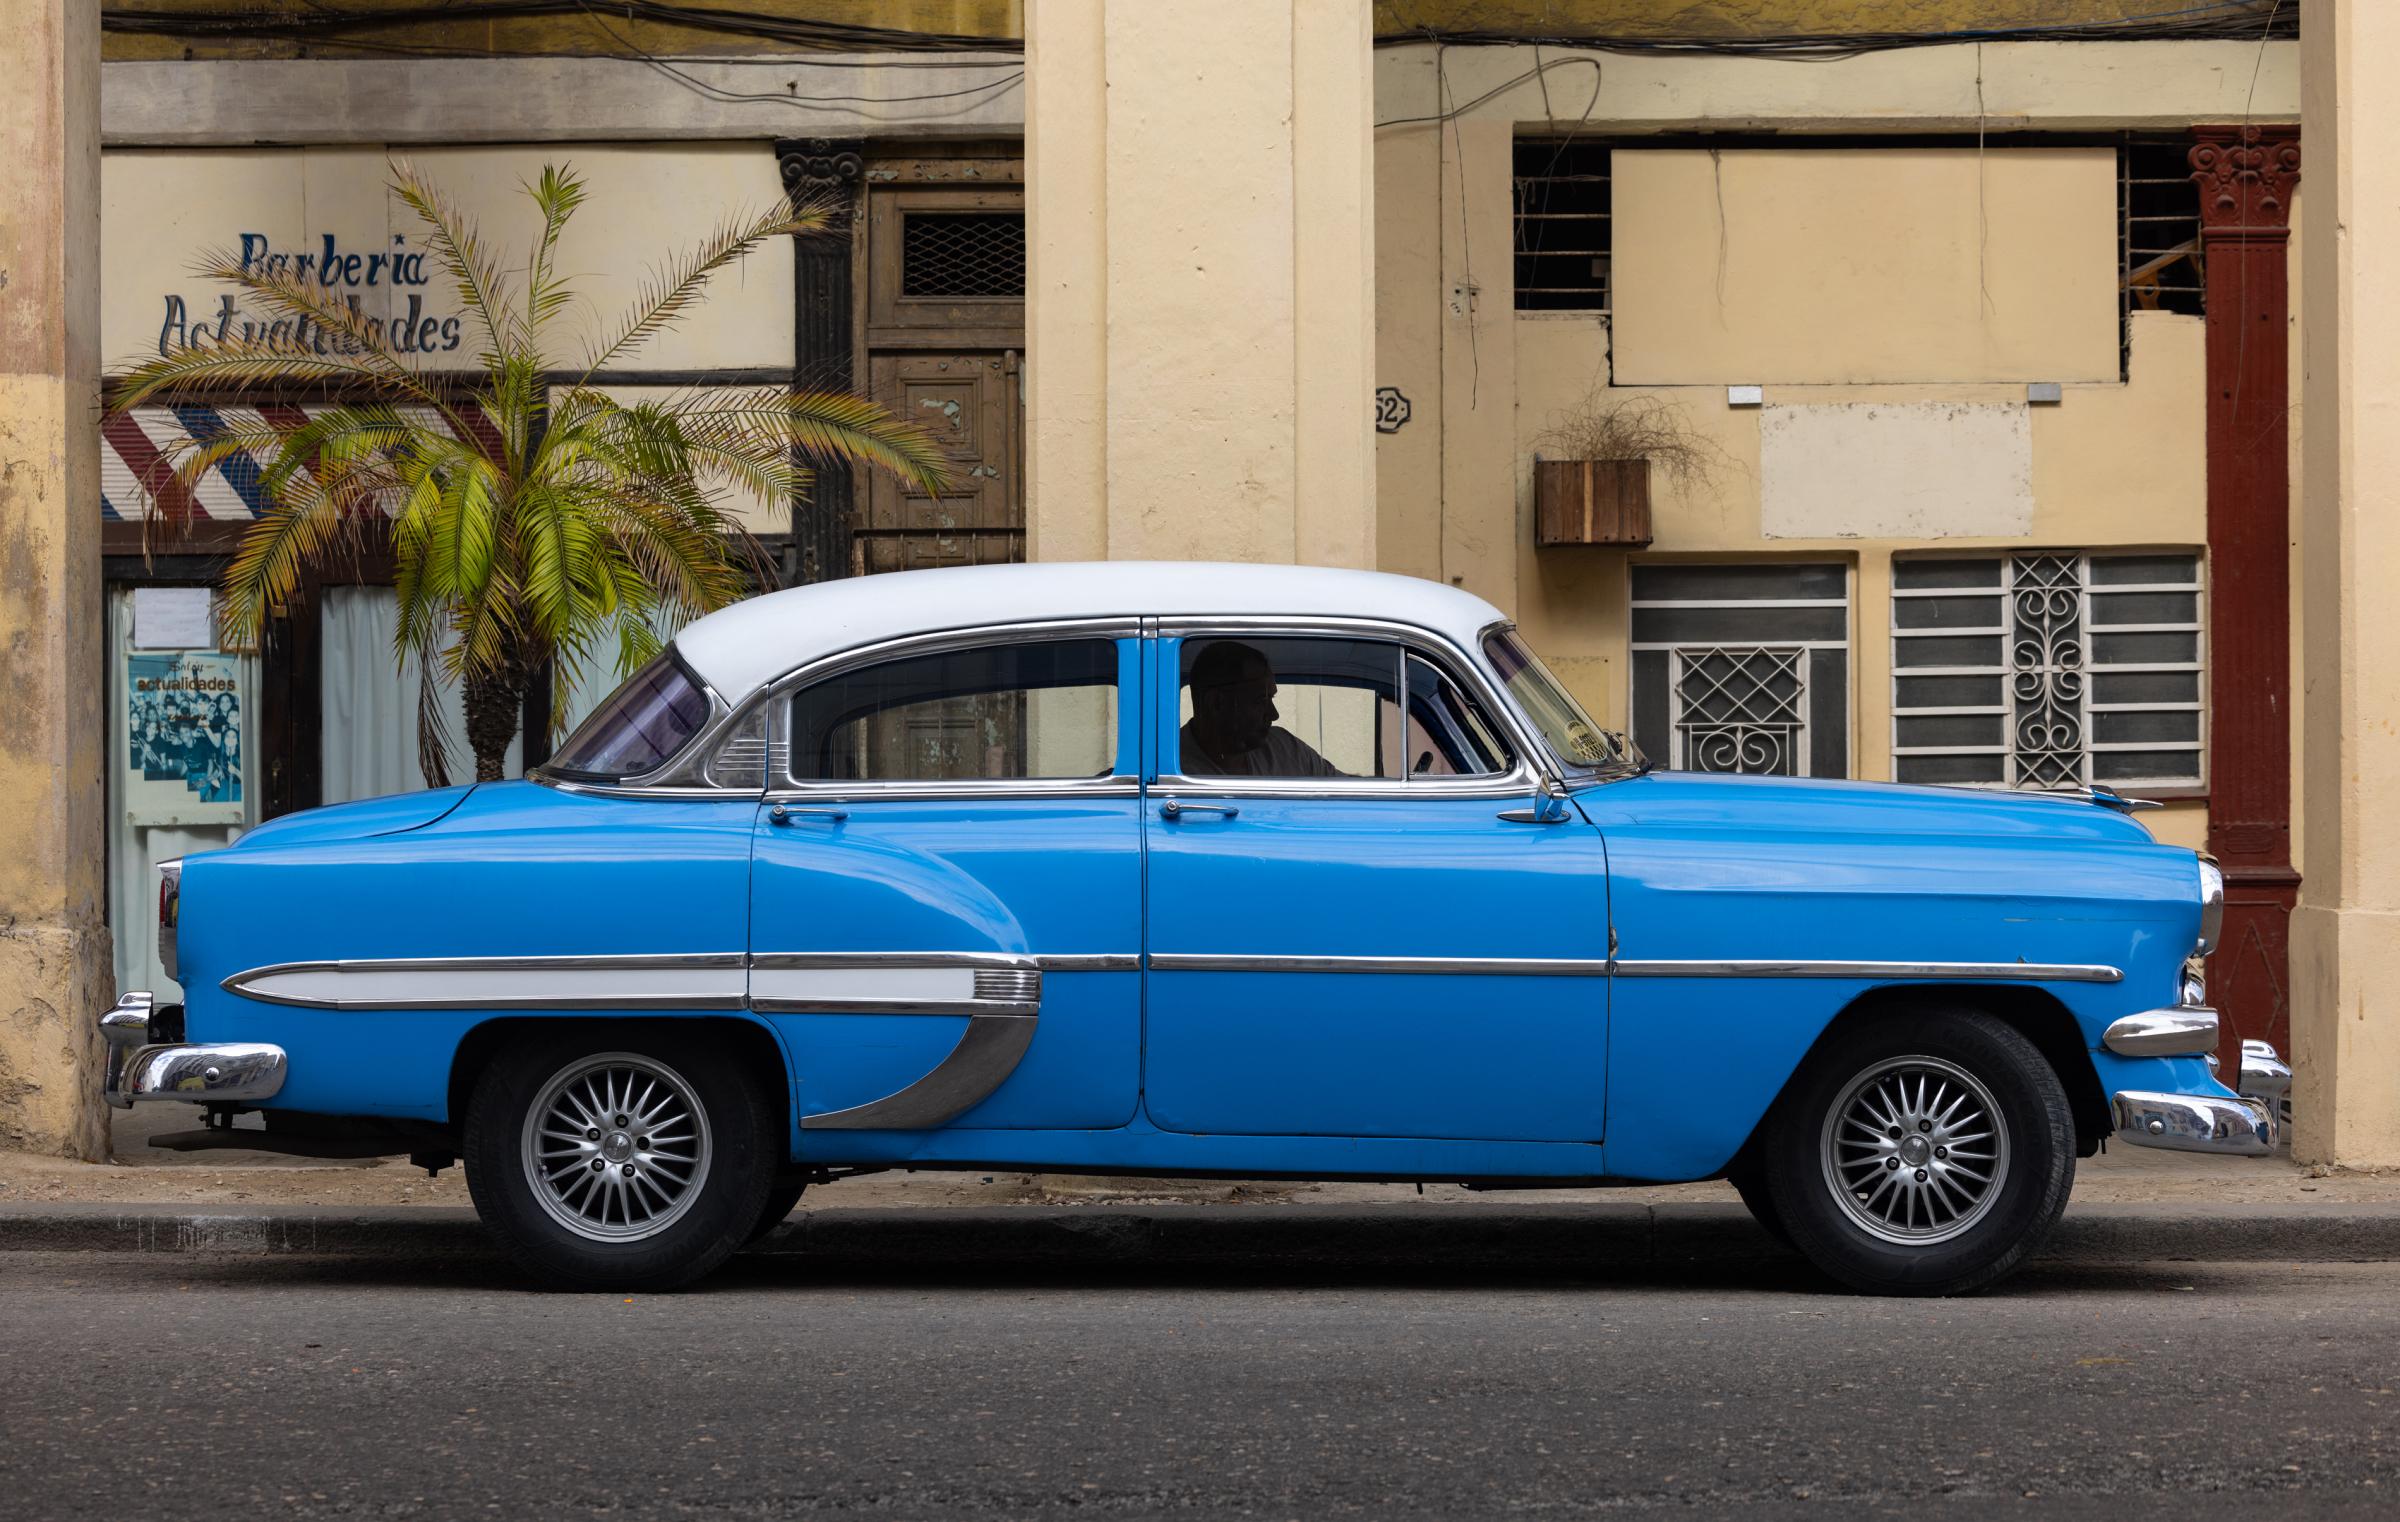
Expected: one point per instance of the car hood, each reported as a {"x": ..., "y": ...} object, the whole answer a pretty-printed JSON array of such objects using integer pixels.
[
  {"x": 1701, "y": 799},
  {"x": 356, "y": 821}
]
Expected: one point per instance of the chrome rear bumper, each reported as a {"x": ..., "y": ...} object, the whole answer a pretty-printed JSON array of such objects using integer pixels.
[
  {"x": 2226, "y": 1126},
  {"x": 148, "y": 1059}
]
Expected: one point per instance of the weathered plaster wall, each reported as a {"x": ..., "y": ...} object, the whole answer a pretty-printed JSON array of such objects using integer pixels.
[
  {"x": 2346, "y": 933},
  {"x": 2115, "y": 464},
  {"x": 54, "y": 960},
  {"x": 1204, "y": 321}
]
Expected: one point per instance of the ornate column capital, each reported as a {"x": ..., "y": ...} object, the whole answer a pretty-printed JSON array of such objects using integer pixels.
[
  {"x": 822, "y": 168},
  {"x": 2246, "y": 176}
]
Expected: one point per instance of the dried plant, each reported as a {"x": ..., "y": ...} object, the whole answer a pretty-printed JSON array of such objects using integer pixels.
[{"x": 1610, "y": 425}]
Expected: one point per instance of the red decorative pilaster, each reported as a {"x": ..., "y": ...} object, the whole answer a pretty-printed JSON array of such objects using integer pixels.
[{"x": 2246, "y": 177}]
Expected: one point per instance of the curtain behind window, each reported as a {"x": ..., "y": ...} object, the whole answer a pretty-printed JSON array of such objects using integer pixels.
[{"x": 369, "y": 739}]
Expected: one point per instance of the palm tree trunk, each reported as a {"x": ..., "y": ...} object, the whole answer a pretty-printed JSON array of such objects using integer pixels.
[{"x": 495, "y": 706}]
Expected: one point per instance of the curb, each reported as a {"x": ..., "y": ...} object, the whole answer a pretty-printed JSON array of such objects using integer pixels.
[{"x": 1567, "y": 1237}]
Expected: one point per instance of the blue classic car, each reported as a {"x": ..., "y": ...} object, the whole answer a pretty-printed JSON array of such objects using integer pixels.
[{"x": 1184, "y": 869}]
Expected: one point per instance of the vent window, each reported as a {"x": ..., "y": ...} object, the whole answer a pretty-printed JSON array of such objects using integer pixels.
[{"x": 953, "y": 254}]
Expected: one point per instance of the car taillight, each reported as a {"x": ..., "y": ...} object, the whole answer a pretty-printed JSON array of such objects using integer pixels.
[{"x": 170, "y": 911}]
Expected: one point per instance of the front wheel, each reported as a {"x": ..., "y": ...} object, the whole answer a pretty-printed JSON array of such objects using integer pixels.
[
  {"x": 623, "y": 1159},
  {"x": 1922, "y": 1154}
]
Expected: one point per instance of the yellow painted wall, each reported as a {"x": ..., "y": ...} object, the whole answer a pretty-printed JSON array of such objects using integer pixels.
[
  {"x": 1830, "y": 266},
  {"x": 2119, "y": 463}
]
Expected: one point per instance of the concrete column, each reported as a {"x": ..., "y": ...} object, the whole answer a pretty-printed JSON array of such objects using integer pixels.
[
  {"x": 2345, "y": 945},
  {"x": 54, "y": 959},
  {"x": 1201, "y": 292}
]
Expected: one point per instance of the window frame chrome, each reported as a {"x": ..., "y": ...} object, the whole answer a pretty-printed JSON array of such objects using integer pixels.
[
  {"x": 775, "y": 696},
  {"x": 1532, "y": 767}
]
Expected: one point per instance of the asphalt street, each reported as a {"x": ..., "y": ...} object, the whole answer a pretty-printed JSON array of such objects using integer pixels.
[{"x": 227, "y": 1386}]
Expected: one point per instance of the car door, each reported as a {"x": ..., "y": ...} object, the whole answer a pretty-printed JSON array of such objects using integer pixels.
[
  {"x": 945, "y": 880},
  {"x": 1360, "y": 923}
]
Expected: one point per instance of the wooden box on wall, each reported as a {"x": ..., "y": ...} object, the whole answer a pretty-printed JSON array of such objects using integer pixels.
[{"x": 1592, "y": 502}]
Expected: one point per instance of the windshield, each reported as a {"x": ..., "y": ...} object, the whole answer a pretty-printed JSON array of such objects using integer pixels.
[
  {"x": 1572, "y": 734},
  {"x": 640, "y": 727}
]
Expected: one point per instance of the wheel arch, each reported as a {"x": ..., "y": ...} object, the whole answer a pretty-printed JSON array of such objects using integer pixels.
[
  {"x": 2035, "y": 1013},
  {"x": 751, "y": 1039}
]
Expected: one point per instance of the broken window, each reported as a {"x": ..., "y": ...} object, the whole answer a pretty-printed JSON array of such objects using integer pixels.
[{"x": 1562, "y": 221}]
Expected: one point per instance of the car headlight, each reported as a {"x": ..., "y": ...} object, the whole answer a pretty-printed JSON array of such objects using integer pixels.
[{"x": 2212, "y": 904}]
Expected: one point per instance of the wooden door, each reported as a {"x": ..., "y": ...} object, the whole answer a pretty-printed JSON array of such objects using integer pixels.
[{"x": 970, "y": 400}]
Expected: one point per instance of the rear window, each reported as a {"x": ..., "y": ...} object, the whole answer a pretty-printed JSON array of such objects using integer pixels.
[{"x": 641, "y": 726}]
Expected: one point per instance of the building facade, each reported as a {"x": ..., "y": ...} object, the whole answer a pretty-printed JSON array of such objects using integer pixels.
[{"x": 1960, "y": 341}]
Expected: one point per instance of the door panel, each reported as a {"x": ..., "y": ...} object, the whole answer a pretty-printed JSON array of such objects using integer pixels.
[
  {"x": 945, "y": 891},
  {"x": 1480, "y": 1008},
  {"x": 969, "y": 402}
]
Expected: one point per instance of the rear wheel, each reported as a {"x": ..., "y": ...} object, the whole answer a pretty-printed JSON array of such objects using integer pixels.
[
  {"x": 1921, "y": 1154},
  {"x": 619, "y": 1159}
]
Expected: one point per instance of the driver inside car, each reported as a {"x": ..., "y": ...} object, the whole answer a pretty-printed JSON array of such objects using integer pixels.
[{"x": 1232, "y": 731}]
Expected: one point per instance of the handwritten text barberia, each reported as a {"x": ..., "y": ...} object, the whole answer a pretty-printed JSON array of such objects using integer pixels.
[{"x": 335, "y": 268}]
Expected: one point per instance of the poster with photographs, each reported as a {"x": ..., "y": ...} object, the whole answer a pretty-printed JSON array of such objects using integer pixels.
[{"x": 186, "y": 750}]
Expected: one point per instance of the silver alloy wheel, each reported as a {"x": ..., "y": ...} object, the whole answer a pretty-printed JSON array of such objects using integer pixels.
[
  {"x": 616, "y": 1148},
  {"x": 1915, "y": 1151}
]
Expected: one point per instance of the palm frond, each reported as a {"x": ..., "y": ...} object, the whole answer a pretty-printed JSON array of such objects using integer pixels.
[
  {"x": 304, "y": 301},
  {"x": 459, "y": 246},
  {"x": 830, "y": 427},
  {"x": 557, "y": 193},
  {"x": 185, "y": 373}
]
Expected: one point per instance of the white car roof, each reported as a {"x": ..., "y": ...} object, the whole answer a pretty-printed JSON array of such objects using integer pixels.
[{"x": 739, "y": 649}]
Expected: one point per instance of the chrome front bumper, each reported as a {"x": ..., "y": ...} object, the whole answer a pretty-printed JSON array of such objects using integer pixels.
[
  {"x": 2224, "y": 1125},
  {"x": 149, "y": 1059}
]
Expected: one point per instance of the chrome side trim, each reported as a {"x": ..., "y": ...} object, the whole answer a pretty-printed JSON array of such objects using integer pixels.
[
  {"x": 1095, "y": 961},
  {"x": 2184, "y": 1030},
  {"x": 2036, "y": 972},
  {"x": 988, "y": 1050},
  {"x": 1535, "y": 967},
  {"x": 2195, "y": 1123},
  {"x": 828, "y": 982},
  {"x": 668, "y": 980},
  {"x": 1974, "y": 972}
]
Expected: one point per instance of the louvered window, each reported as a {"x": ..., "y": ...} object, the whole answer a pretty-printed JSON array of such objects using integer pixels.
[
  {"x": 963, "y": 253},
  {"x": 1743, "y": 668},
  {"x": 2056, "y": 670}
]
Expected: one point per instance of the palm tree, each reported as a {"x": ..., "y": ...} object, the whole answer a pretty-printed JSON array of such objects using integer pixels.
[{"x": 531, "y": 522}]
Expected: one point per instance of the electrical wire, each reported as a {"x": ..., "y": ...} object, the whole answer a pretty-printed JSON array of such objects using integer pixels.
[
  {"x": 324, "y": 22},
  {"x": 804, "y": 102}
]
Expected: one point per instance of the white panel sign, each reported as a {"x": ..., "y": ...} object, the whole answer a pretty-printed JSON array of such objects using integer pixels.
[
  {"x": 1895, "y": 470},
  {"x": 172, "y": 618}
]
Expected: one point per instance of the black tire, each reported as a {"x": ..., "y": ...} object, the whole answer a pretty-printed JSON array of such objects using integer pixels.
[
  {"x": 780, "y": 1201},
  {"x": 1888, "y": 1235},
  {"x": 1751, "y": 1184},
  {"x": 733, "y": 1162}
]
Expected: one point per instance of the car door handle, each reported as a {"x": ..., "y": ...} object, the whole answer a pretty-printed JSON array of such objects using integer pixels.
[
  {"x": 1176, "y": 809},
  {"x": 781, "y": 815}
]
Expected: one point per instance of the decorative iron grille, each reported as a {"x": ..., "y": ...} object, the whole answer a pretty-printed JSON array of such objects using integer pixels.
[
  {"x": 963, "y": 253},
  {"x": 1743, "y": 667},
  {"x": 1563, "y": 225},
  {"x": 2053, "y": 670},
  {"x": 1741, "y": 709}
]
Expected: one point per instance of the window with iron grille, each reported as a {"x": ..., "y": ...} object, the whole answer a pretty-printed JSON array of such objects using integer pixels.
[
  {"x": 2048, "y": 670},
  {"x": 963, "y": 253},
  {"x": 1562, "y": 218},
  {"x": 2158, "y": 231},
  {"x": 1743, "y": 668}
]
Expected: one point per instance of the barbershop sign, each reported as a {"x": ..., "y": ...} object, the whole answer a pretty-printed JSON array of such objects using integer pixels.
[{"x": 386, "y": 284}]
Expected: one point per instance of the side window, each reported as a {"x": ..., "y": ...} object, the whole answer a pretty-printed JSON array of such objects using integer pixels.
[
  {"x": 1303, "y": 708},
  {"x": 1042, "y": 710},
  {"x": 1448, "y": 733}
]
